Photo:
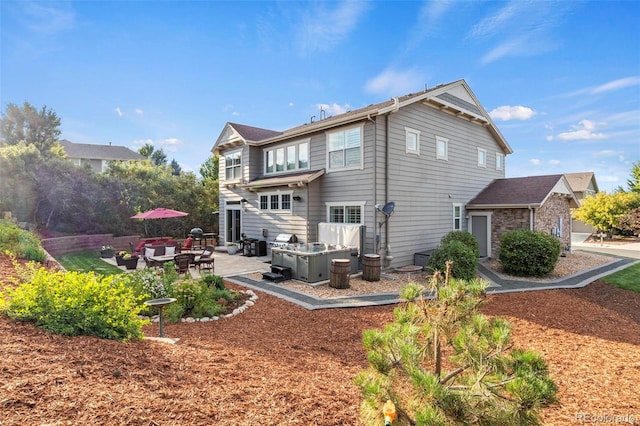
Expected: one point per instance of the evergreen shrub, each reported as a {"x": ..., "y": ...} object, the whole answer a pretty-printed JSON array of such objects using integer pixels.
[
  {"x": 464, "y": 258},
  {"x": 528, "y": 253},
  {"x": 464, "y": 237}
]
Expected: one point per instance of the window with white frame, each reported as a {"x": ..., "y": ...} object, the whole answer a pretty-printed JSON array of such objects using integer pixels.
[
  {"x": 442, "y": 148},
  {"x": 287, "y": 158},
  {"x": 499, "y": 161},
  {"x": 457, "y": 217},
  {"x": 482, "y": 157},
  {"x": 233, "y": 165},
  {"x": 412, "y": 139},
  {"x": 344, "y": 149},
  {"x": 276, "y": 201},
  {"x": 344, "y": 212}
]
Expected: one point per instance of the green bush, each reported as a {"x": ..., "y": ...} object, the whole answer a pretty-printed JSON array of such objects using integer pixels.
[
  {"x": 464, "y": 258},
  {"x": 23, "y": 244},
  {"x": 72, "y": 303},
  {"x": 188, "y": 293},
  {"x": 214, "y": 281},
  {"x": 464, "y": 237},
  {"x": 528, "y": 253}
]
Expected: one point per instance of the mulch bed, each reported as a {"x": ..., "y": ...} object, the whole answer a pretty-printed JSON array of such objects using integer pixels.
[{"x": 279, "y": 364}]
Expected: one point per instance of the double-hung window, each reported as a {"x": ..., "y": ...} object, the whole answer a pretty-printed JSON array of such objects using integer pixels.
[
  {"x": 442, "y": 148},
  {"x": 276, "y": 201},
  {"x": 457, "y": 217},
  {"x": 499, "y": 161},
  {"x": 287, "y": 158},
  {"x": 482, "y": 157},
  {"x": 233, "y": 166},
  {"x": 345, "y": 212},
  {"x": 412, "y": 138},
  {"x": 344, "y": 149}
]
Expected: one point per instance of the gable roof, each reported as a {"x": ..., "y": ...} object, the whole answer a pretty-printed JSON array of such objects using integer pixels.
[
  {"x": 99, "y": 152},
  {"x": 579, "y": 182},
  {"x": 522, "y": 192},
  {"x": 455, "y": 98}
]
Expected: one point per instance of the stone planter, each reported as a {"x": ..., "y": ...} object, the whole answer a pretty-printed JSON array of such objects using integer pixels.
[
  {"x": 131, "y": 263},
  {"x": 232, "y": 249},
  {"x": 106, "y": 253}
]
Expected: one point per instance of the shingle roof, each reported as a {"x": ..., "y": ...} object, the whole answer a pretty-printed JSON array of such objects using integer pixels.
[
  {"x": 254, "y": 134},
  {"x": 522, "y": 191},
  {"x": 99, "y": 152},
  {"x": 579, "y": 182}
]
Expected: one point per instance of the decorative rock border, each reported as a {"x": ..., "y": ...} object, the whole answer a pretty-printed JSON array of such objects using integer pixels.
[{"x": 252, "y": 301}]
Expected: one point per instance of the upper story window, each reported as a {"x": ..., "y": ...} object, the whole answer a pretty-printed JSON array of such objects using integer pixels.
[
  {"x": 442, "y": 148},
  {"x": 482, "y": 157},
  {"x": 233, "y": 165},
  {"x": 499, "y": 161},
  {"x": 344, "y": 149},
  {"x": 287, "y": 158},
  {"x": 276, "y": 201},
  {"x": 345, "y": 212},
  {"x": 412, "y": 138}
]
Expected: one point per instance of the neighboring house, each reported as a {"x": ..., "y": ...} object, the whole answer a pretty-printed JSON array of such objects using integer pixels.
[
  {"x": 583, "y": 185},
  {"x": 428, "y": 152},
  {"x": 98, "y": 156},
  {"x": 538, "y": 203}
]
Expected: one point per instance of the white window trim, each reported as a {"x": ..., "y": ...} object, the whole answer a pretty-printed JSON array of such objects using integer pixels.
[
  {"x": 445, "y": 141},
  {"x": 274, "y": 148},
  {"x": 279, "y": 194},
  {"x": 360, "y": 204},
  {"x": 341, "y": 169},
  {"x": 409, "y": 131},
  {"x": 484, "y": 156},
  {"x": 224, "y": 165},
  {"x": 499, "y": 161},
  {"x": 453, "y": 212}
]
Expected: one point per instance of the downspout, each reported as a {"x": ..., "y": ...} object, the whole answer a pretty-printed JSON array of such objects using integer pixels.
[
  {"x": 387, "y": 257},
  {"x": 375, "y": 181},
  {"x": 531, "y": 217}
]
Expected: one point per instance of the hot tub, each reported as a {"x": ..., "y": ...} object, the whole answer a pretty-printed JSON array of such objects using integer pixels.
[{"x": 311, "y": 262}]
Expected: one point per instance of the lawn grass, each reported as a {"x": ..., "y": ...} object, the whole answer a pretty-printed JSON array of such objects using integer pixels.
[
  {"x": 628, "y": 278},
  {"x": 87, "y": 261}
]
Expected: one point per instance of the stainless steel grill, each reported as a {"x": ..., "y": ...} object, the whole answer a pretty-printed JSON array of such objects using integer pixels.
[{"x": 283, "y": 240}]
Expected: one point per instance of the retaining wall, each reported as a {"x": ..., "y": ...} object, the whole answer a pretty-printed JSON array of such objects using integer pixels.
[{"x": 61, "y": 245}]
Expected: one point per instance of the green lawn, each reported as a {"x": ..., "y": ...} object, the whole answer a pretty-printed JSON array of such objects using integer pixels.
[
  {"x": 628, "y": 278},
  {"x": 87, "y": 261}
]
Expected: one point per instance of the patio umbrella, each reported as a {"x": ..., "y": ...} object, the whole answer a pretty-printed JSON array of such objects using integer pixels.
[{"x": 159, "y": 213}]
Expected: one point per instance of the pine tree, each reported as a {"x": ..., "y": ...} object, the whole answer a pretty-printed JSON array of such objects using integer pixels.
[{"x": 442, "y": 362}]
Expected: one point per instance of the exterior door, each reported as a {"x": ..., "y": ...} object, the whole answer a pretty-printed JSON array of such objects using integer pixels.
[
  {"x": 480, "y": 225},
  {"x": 233, "y": 224}
]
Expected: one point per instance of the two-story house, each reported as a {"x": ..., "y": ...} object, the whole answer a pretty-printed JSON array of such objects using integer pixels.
[
  {"x": 98, "y": 156},
  {"x": 429, "y": 153}
]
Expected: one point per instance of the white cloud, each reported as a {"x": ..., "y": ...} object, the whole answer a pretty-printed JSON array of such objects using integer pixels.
[
  {"x": 508, "y": 112},
  {"x": 395, "y": 83},
  {"x": 616, "y": 84},
  {"x": 321, "y": 28},
  {"x": 605, "y": 153},
  {"x": 45, "y": 19},
  {"x": 290, "y": 104},
  {"x": 169, "y": 144},
  {"x": 554, "y": 162},
  {"x": 119, "y": 112},
  {"x": 535, "y": 161},
  {"x": 584, "y": 130},
  {"x": 139, "y": 111},
  {"x": 333, "y": 109}
]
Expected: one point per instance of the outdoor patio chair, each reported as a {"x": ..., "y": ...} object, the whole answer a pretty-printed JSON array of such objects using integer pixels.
[
  {"x": 150, "y": 263},
  {"x": 182, "y": 263},
  {"x": 205, "y": 261}
]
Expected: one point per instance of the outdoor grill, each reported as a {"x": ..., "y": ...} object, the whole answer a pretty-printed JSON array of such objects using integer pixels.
[{"x": 283, "y": 240}]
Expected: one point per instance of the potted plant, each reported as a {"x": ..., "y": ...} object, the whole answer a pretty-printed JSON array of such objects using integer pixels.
[
  {"x": 130, "y": 261},
  {"x": 232, "y": 248},
  {"x": 107, "y": 251},
  {"x": 120, "y": 257}
]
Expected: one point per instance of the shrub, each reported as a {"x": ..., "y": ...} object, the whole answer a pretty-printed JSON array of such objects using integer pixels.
[
  {"x": 441, "y": 362},
  {"x": 188, "y": 293},
  {"x": 465, "y": 238},
  {"x": 34, "y": 253},
  {"x": 214, "y": 280},
  {"x": 72, "y": 303},
  {"x": 528, "y": 253},
  {"x": 23, "y": 244},
  {"x": 465, "y": 260}
]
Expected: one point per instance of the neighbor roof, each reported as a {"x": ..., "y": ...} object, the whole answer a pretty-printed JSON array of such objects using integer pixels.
[
  {"x": 521, "y": 192},
  {"x": 99, "y": 152}
]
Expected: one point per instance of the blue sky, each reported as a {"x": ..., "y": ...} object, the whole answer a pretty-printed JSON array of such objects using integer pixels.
[{"x": 561, "y": 79}]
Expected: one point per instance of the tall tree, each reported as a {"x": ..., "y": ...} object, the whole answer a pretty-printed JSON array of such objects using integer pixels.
[
  {"x": 209, "y": 169},
  {"x": 40, "y": 128},
  {"x": 603, "y": 211},
  {"x": 634, "y": 181},
  {"x": 146, "y": 150},
  {"x": 175, "y": 167}
]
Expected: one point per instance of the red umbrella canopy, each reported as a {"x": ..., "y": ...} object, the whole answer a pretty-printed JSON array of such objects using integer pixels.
[{"x": 159, "y": 213}]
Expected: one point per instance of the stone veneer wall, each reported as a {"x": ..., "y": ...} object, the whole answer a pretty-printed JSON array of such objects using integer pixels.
[{"x": 547, "y": 216}]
